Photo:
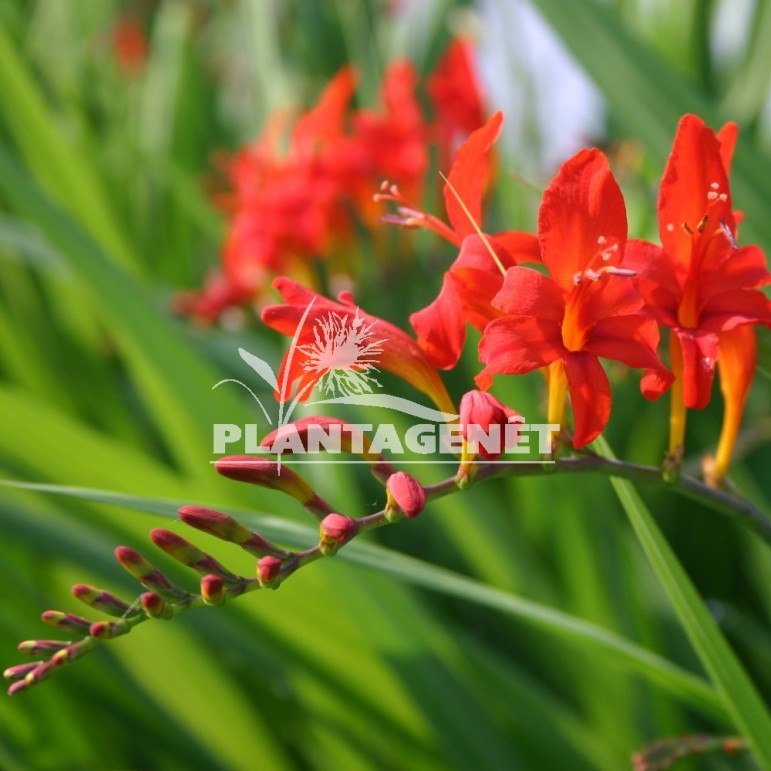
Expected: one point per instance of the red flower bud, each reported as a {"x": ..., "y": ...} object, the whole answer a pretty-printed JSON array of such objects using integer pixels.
[
  {"x": 335, "y": 530},
  {"x": 154, "y": 606},
  {"x": 269, "y": 571},
  {"x": 213, "y": 590},
  {"x": 268, "y": 473},
  {"x": 228, "y": 529},
  {"x": 405, "y": 494},
  {"x": 480, "y": 413}
]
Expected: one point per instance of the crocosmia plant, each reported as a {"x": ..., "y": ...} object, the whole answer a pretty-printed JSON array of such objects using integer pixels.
[{"x": 408, "y": 285}]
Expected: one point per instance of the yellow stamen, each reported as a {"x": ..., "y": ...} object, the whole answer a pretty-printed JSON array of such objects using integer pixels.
[{"x": 490, "y": 249}]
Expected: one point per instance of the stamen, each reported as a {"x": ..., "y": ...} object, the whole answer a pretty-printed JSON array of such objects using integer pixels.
[
  {"x": 686, "y": 227},
  {"x": 596, "y": 275},
  {"x": 728, "y": 234},
  {"x": 625, "y": 272},
  {"x": 703, "y": 224}
]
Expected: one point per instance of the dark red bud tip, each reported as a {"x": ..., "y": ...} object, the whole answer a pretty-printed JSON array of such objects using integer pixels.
[
  {"x": 335, "y": 530},
  {"x": 269, "y": 571},
  {"x": 106, "y": 630},
  {"x": 166, "y": 540},
  {"x": 128, "y": 557},
  {"x": 213, "y": 590},
  {"x": 155, "y": 606},
  {"x": 266, "y": 473},
  {"x": 215, "y": 523},
  {"x": 245, "y": 468},
  {"x": 406, "y": 493}
]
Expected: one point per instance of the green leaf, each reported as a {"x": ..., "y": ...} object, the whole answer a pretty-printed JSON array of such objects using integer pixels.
[{"x": 739, "y": 695}]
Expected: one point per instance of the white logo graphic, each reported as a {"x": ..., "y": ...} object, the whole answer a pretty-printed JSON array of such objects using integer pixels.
[{"x": 343, "y": 355}]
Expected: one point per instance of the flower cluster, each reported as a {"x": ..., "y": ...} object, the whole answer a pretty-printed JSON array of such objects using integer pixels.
[
  {"x": 589, "y": 291},
  {"x": 286, "y": 209}
]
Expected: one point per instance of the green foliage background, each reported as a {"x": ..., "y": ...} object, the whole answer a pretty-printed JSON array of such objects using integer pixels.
[{"x": 524, "y": 624}]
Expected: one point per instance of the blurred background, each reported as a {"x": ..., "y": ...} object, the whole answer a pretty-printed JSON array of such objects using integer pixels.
[{"x": 517, "y": 625}]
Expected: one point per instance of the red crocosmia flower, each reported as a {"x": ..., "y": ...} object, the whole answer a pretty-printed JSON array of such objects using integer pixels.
[
  {"x": 397, "y": 352},
  {"x": 587, "y": 309},
  {"x": 466, "y": 181},
  {"x": 468, "y": 288},
  {"x": 389, "y": 142},
  {"x": 474, "y": 278},
  {"x": 456, "y": 98},
  {"x": 700, "y": 284},
  {"x": 129, "y": 43}
]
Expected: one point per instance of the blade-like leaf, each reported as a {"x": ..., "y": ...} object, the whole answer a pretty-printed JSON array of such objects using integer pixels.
[{"x": 740, "y": 697}]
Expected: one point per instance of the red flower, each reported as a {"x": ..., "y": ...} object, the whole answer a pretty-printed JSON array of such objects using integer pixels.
[
  {"x": 587, "y": 309},
  {"x": 400, "y": 354},
  {"x": 475, "y": 277},
  {"x": 699, "y": 283},
  {"x": 456, "y": 98},
  {"x": 129, "y": 43},
  {"x": 466, "y": 182}
]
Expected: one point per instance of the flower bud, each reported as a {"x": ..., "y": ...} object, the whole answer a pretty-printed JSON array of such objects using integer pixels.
[
  {"x": 405, "y": 495},
  {"x": 106, "y": 630},
  {"x": 104, "y": 601},
  {"x": 190, "y": 555},
  {"x": 335, "y": 530},
  {"x": 269, "y": 572},
  {"x": 66, "y": 621},
  {"x": 268, "y": 473},
  {"x": 155, "y": 607},
  {"x": 213, "y": 590},
  {"x": 316, "y": 433},
  {"x": 227, "y": 529},
  {"x": 20, "y": 671},
  {"x": 484, "y": 421},
  {"x": 147, "y": 575},
  {"x": 38, "y": 647}
]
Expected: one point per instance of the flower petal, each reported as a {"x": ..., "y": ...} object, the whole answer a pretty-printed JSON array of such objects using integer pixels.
[
  {"x": 469, "y": 176},
  {"x": 582, "y": 219},
  {"x": 515, "y": 345},
  {"x": 526, "y": 292},
  {"x": 695, "y": 183},
  {"x": 440, "y": 326},
  {"x": 700, "y": 351},
  {"x": 589, "y": 396},
  {"x": 656, "y": 279}
]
